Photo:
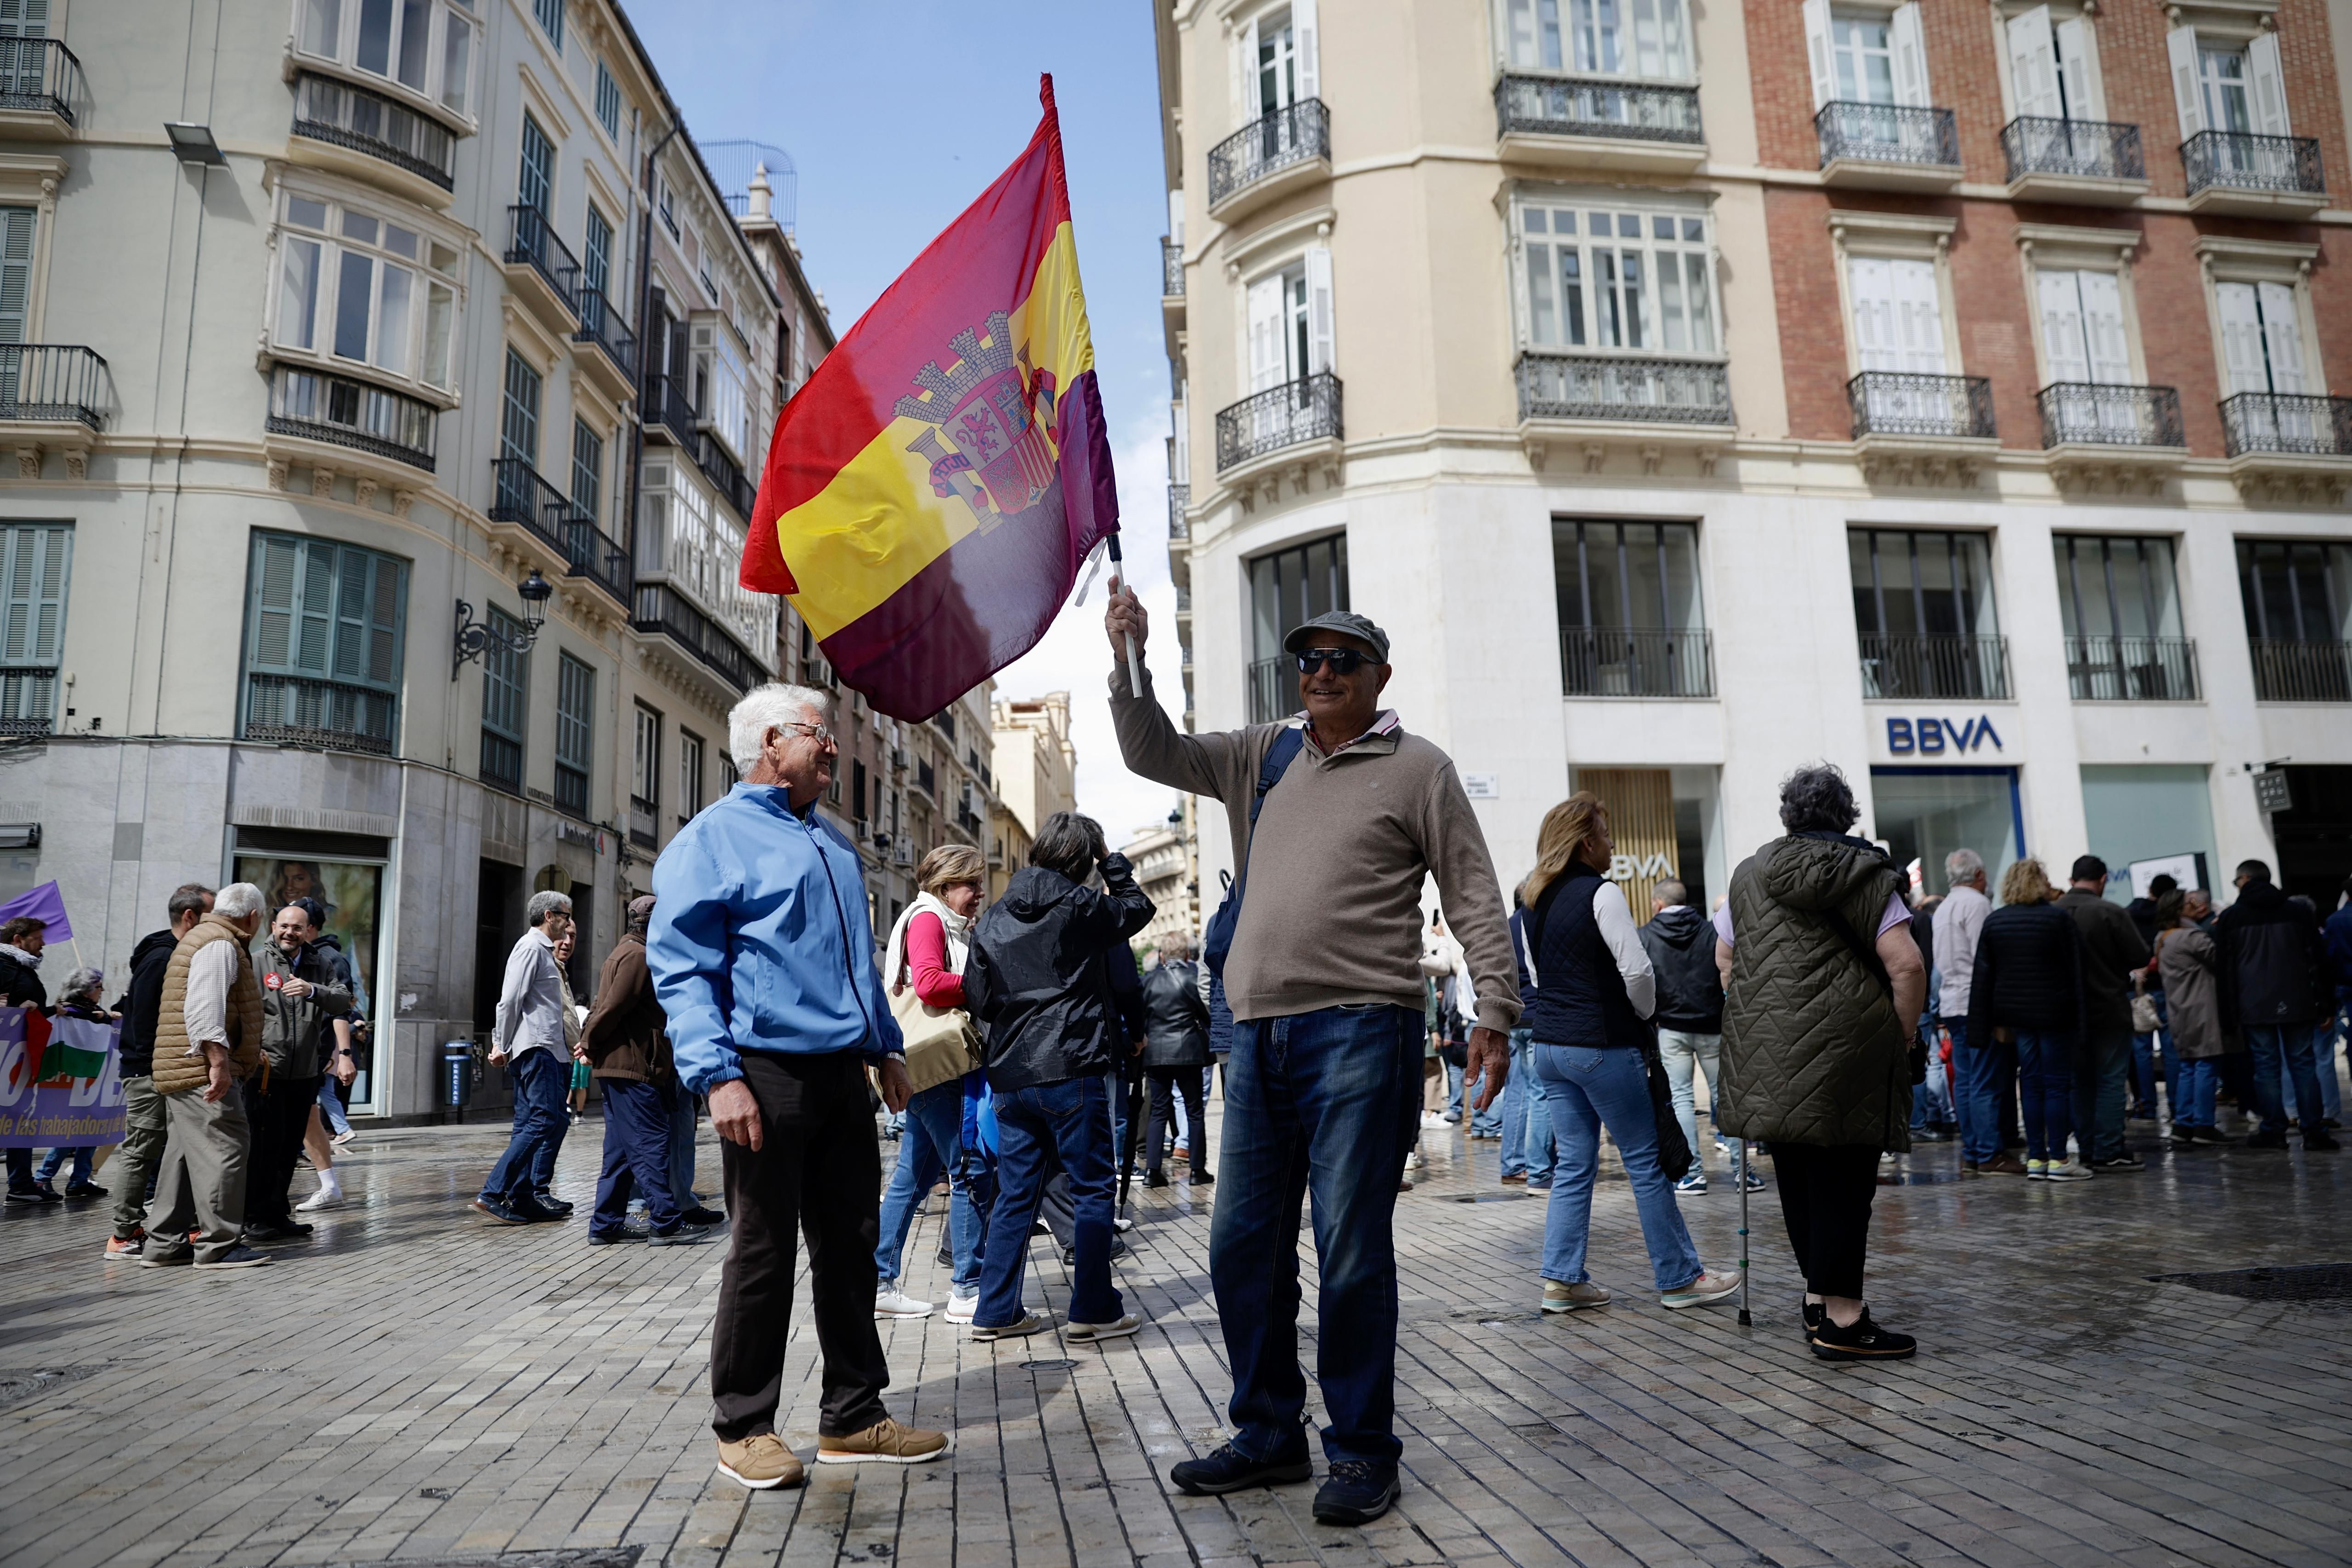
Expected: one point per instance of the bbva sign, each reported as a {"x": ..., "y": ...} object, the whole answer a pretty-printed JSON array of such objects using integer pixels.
[
  {"x": 1626, "y": 868},
  {"x": 1934, "y": 737}
]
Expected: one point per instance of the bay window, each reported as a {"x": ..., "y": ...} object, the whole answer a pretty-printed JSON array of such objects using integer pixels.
[
  {"x": 425, "y": 46},
  {"x": 1610, "y": 279},
  {"x": 1645, "y": 39},
  {"x": 364, "y": 289}
]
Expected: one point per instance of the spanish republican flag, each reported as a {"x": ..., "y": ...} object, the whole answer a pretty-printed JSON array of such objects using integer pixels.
[{"x": 932, "y": 491}]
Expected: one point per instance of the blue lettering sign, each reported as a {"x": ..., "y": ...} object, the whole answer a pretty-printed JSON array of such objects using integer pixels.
[
  {"x": 1931, "y": 737},
  {"x": 1985, "y": 732},
  {"x": 1898, "y": 736}
]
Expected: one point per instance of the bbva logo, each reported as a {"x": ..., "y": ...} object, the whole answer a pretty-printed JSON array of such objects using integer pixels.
[
  {"x": 1625, "y": 868},
  {"x": 1934, "y": 736}
]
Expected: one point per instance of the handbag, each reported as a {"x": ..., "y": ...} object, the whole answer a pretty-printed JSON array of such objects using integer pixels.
[
  {"x": 940, "y": 1042},
  {"x": 1674, "y": 1149},
  {"x": 2146, "y": 1019}
]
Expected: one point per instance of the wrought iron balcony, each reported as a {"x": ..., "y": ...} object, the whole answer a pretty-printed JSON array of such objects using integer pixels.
[
  {"x": 372, "y": 419},
  {"x": 294, "y": 710},
  {"x": 532, "y": 238},
  {"x": 662, "y": 608},
  {"x": 1299, "y": 134},
  {"x": 2083, "y": 149},
  {"x": 28, "y": 701},
  {"x": 1888, "y": 134},
  {"x": 726, "y": 474},
  {"x": 1273, "y": 689},
  {"x": 1616, "y": 662},
  {"x": 1914, "y": 665},
  {"x": 2237, "y": 161},
  {"x": 2096, "y": 414},
  {"x": 667, "y": 407},
  {"x": 1896, "y": 403},
  {"x": 1295, "y": 412},
  {"x": 1171, "y": 269},
  {"x": 2292, "y": 671},
  {"x": 601, "y": 324},
  {"x": 2289, "y": 423},
  {"x": 41, "y": 75},
  {"x": 1593, "y": 386},
  {"x": 346, "y": 116},
  {"x": 520, "y": 496},
  {"x": 53, "y": 383},
  {"x": 1180, "y": 496},
  {"x": 2108, "y": 669},
  {"x": 1570, "y": 106}
]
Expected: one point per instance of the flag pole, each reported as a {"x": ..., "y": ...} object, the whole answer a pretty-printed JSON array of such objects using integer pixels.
[{"x": 1118, "y": 582}]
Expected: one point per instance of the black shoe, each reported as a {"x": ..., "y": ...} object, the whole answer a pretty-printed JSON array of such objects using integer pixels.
[
  {"x": 555, "y": 1207},
  {"x": 684, "y": 1236},
  {"x": 42, "y": 1192},
  {"x": 702, "y": 1219},
  {"x": 237, "y": 1256},
  {"x": 1357, "y": 1492},
  {"x": 2208, "y": 1137},
  {"x": 1203, "y": 1179},
  {"x": 1865, "y": 1341},
  {"x": 25, "y": 1195},
  {"x": 609, "y": 1237},
  {"x": 270, "y": 1235},
  {"x": 1118, "y": 1251},
  {"x": 2183, "y": 1137},
  {"x": 945, "y": 1256},
  {"x": 531, "y": 1211},
  {"x": 498, "y": 1211},
  {"x": 2320, "y": 1141},
  {"x": 1230, "y": 1469},
  {"x": 1155, "y": 1178},
  {"x": 1811, "y": 1315},
  {"x": 85, "y": 1189},
  {"x": 2123, "y": 1162},
  {"x": 2266, "y": 1141}
]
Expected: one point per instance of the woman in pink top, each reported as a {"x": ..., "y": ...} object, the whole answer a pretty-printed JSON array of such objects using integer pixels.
[{"x": 927, "y": 947}]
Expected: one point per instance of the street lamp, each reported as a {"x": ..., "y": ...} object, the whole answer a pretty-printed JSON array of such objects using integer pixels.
[{"x": 476, "y": 638}]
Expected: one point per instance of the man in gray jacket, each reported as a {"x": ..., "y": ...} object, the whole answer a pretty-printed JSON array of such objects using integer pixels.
[{"x": 301, "y": 996}]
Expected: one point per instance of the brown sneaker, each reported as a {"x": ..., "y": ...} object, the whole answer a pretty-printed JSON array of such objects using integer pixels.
[
  {"x": 885, "y": 1442},
  {"x": 2003, "y": 1164},
  {"x": 759, "y": 1461}
]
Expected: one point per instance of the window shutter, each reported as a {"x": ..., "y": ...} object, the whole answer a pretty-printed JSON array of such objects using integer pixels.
[
  {"x": 1910, "y": 42},
  {"x": 1176, "y": 219},
  {"x": 1920, "y": 311},
  {"x": 1307, "y": 39},
  {"x": 314, "y": 617},
  {"x": 1873, "y": 311},
  {"x": 1246, "y": 105},
  {"x": 16, "y": 272},
  {"x": 1265, "y": 360},
  {"x": 2063, "y": 340},
  {"x": 2077, "y": 80},
  {"x": 1673, "y": 42},
  {"x": 2242, "y": 338},
  {"x": 1319, "y": 309},
  {"x": 1817, "y": 50},
  {"x": 24, "y": 18},
  {"x": 2282, "y": 336},
  {"x": 2033, "y": 65},
  {"x": 2180, "y": 45},
  {"x": 275, "y": 562},
  {"x": 2266, "y": 86},
  {"x": 2103, "y": 328},
  {"x": 36, "y": 560},
  {"x": 387, "y": 615}
]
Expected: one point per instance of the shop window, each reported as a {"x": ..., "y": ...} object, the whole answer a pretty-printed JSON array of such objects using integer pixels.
[
  {"x": 1631, "y": 621},
  {"x": 575, "y": 729},
  {"x": 1288, "y": 589},
  {"x": 1923, "y": 608},
  {"x": 2144, "y": 813},
  {"x": 346, "y": 876},
  {"x": 324, "y": 628}
]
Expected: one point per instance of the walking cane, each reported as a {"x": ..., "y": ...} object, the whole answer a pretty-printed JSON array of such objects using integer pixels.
[
  {"x": 1134, "y": 1130},
  {"x": 1740, "y": 1176}
]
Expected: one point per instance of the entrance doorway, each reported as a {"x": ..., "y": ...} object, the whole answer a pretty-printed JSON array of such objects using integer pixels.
[
  {"x": 1925, "y": 813},
  {"x": 2313, "y": 835}
]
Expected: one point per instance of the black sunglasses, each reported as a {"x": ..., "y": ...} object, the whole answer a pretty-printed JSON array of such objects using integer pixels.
[{"x": 1343, "y": 661}]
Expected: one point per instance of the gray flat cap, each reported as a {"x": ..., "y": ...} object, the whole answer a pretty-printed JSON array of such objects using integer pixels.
[{"x": 1346, "y": 620}]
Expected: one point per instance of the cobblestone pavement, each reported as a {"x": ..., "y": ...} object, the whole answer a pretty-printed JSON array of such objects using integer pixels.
[{"x": 417, "y": 1385}]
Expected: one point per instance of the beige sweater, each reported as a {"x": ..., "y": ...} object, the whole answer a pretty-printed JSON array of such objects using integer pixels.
[{"x": 1333, "y": 913}]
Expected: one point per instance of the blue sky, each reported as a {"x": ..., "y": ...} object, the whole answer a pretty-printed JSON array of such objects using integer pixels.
[{"x": 897, "y": 116}]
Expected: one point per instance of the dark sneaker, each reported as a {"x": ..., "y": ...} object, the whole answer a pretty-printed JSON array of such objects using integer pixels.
[
  {"x": 86, "y": 1189},
  {"x": 1155, "y": 1178},
  {"x": 2003, "y": 1163},
  {"x": 613, "y": 1239},
  {"x": 154, "y": 1257},
  {"x": 2266, "y": 1141},
  {"x": 556, "y": 1207},
  {"x": 2210, "y": 1138},
  {"x": 272, "y": 1235},
  {"x": 531, "y": 1211},
  {"x": 1230, "y": 1469},
  {"x": 2319, "y": 1140},
  {"x": 1358, "y": 1491},
  {"x": 238, "y": 1257},
  {"x": 1809, "y": 1313},
  {"x": 24, "y": 1195},
  {"x": 498, "y": 1210},
  {"x": 121, "y": 1251},
  {"x": 684, "y": 1236},
  {"x": 1864, "y": 1341},
  {"x": 2183, "y": 1136},
  {"x": 43, "y": 1193},
  {"x": 2124, "y": 1162},
  {"x": 701, "y": 1218},
  {"x": 1203, "y": 1179}
]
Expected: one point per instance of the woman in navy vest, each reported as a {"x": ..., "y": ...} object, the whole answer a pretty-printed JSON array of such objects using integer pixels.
[{"x": 1593, "y": 994}]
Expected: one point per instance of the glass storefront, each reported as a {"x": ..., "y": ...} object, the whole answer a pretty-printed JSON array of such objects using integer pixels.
[
  {"x": 1925, "y": 813},
  {"x": 2139, "y": 812},
  {"x": 352, "y": 892}
]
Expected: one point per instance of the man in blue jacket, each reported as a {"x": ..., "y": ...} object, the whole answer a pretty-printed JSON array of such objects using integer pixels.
[{"x": 763, "y": 961}]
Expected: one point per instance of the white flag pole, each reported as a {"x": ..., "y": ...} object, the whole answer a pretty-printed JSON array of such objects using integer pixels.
[{"x": 1118, "y": 582}]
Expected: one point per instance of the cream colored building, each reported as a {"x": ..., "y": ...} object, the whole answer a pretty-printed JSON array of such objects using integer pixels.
[
  {"x": 1163, "y": 858},
  {"x": 1036, "y": 763}
]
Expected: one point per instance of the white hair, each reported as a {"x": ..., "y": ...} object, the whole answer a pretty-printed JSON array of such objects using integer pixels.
[
  {"x": 1962, "y": 866},
  {"x": 546, "y": 902},
  {"x": 767, "y": 707},
  {"x": 238, "y": 901}
]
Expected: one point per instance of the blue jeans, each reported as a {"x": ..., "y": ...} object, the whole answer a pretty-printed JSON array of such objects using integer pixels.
[
  {"x": 542, "y": 1163},
  {"x": 2045, "y": 1082},
  {"x": 679, "y": 1101},
  {"x": 1684, "y": 1054},
  {"x": 2102, "y": 1067},
  {"x": 542, "y": 1084},
  {"x": 330, "y": 1106},
  {"x": 1453, "y": 1090},
  {"x": 1072, "y": 1119},
  {"x": 2145, "y": 1048},
  {"x": 637, "y": 1156},
  {"x": 1319, "y": 1105},
  {"x": 2290, "y": 1044},
  {"x": 1528, "y": 1145},
  {"x": 1987, "y": 1073},
  {"x": 932, "y": 1145},
  {"x": 2192, "y": 1101},
  {"x": 2323, "y": 1064},
  {"x": 55, "y": 1158},
  {"x": 1587, "y": 1089}
]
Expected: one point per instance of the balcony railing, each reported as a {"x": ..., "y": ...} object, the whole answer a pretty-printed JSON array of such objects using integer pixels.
[
  {"x": 601, "y": 324},
  {"x": 1171, "y": 269},
  {"x": 1299, "y": 134},
  {"x": 1273, "y": 689},
  {"x": 28, "y": 701},
  {"x": 1557, "y": 106},
  {"x": 39, "y": 73},
  {"x": 520, "y": 496},
  {"x": 1935, "y": 666},
  {"x": 2286, "y": 423},
  {"x": 2096, "y": 414},
  {"x": 60, "y": 384},
  {"x": 294, "y": 710},
  {"x": 667, "y": 406},
  {"x": 726, "y": 474},
  {"x": 1180, "y": 496},
  {"x": 2108, "y": 669},
  {"x": 1888, "y": 134},
  {"x": 2089, "y": 149},
  {"x": 1590, "y": 386},
  {"x": 1305, "y": 410},
  {"x": 320, "y": 407},
  {"x": 2292, "y": 671},
  {"x": 1616, "y": 662},
  {"x": 661, "y": 609},
  {"x": 532, "y": 238},
  {"x": 346, "y": 116},
  {"x": 2237, "y": 161},
  {"x": 1896, "y": 403}
]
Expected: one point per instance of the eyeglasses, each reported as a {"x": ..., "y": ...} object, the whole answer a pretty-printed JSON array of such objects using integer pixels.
[
  {"x": 815, "y": 732},
  {"x": 1343, "y": 661}
]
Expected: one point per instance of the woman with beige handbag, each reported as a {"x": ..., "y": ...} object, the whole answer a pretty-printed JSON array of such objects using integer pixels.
[{"x": 924, "y": 968}]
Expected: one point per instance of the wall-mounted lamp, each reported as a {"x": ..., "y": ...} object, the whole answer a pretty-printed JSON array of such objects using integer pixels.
[
  {"x": 476, "y": 638},
  {"x": 195, "y": 144}
]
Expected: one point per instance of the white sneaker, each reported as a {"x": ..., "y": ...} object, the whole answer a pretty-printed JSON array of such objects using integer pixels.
[
  {"x": 1435, "y": 1123},
  {"x": 1094, "y": 1333},
  {"x": 890, "y": 1302},
  {"x": 1413, "y": 1162},
  {"x": 2067, "y": 1170},
  {"x": 343, "y": 1140},
  {"x": 962, "y": 1307},
  {"x": 328, "y": 1195}
]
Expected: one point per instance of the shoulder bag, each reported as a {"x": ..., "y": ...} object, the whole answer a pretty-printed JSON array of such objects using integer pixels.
[
  {"x": 1217, "y": 940},
  {"x": 940, "y": 1042}
]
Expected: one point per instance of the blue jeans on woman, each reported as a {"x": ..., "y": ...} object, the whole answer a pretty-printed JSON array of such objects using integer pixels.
[
  {"x": 2045, "y": 1083},
  {"x": 1586, "y": 1089},
  {"x": 1073, "y": 1118},
  {"x": 932, "y": 1145},
  {"x": 1528, "y": 1147}
]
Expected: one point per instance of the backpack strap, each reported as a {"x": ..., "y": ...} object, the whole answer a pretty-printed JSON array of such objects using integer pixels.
[{"x": 1278, "y": 758}]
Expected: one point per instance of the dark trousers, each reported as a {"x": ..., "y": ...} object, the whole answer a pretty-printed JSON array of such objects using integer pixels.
[
  {"x": 817, "y": 1172},
  {"x": 279, "y": 1113},
  {"x": 1825, "y": 1196},
  {"x": 1167, "y": 1082},
  {"x": 1069, "y": 1121},
  {"x": 541, "y": 1083},
  {"x": 636, "y": 1157}
]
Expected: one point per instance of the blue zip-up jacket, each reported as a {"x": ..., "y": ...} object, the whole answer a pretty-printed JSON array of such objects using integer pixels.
[
  {"x": 761, "y": 942},
  {"x": 2337, "y": 935}
]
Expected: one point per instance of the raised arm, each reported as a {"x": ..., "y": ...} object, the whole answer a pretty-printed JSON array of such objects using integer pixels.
[{"x": 1149, "y": 741}]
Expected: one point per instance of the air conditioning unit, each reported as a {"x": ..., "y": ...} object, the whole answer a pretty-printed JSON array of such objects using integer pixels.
[
  {"x": 996, "y": 856},
  {"x": 864, "y": 829},
  {"x": 902, "y": 853}
]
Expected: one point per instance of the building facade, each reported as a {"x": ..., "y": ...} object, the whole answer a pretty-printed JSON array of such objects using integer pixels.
[
  {"x": 1942, "y": 390},
  {"x": 1037, "y": 769}
]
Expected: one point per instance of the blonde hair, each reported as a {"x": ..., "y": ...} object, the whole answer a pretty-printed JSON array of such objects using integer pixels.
[
  {"x": 1567, "y": 828},
  {"x": 948, "y": 866},
  {"x": 2025, "y": 883}
]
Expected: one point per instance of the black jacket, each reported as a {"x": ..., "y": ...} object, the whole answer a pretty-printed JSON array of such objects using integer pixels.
[
  {"x": 1035, "y": 979},
  {"x": 2028, "y": 973},
  {"x": 2273, "y": 961},
  {"x": 1680, "y": 942},
  {"x": 2112, "y": 953},
  {"x": 143, "y": 1000},
  {"x": 21, "y": 987},
  {"x": 1175, "y": 1016}
]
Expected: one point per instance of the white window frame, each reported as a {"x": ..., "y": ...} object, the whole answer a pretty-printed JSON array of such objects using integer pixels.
[
  {"x": 2203, "y": 30},
  {"x": 2075, "y": 47},
  {"x": 1621, "y": 203},
  {"x": 342, "y": 59},
  {"x": 1667, "y": 24},
  {"x": 2226, "y": 259},
  {"x": 2057, "y": 248},
  {"x": 1310, "y": 265},
  {"x": 1907, "y": 44},
  {"x": 339, "y": 198},
  {"x": 1895, "y": 236},
  {"x": 685, "y": 537},
  {"x": 1242, "y": 50}
]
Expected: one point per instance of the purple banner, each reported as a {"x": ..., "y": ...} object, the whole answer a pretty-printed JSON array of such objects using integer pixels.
[{"x": 80, "y": 1102}]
